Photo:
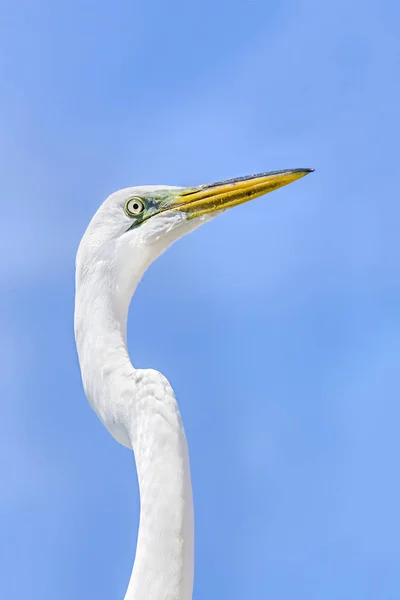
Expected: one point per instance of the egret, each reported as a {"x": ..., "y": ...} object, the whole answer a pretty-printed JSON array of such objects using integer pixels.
[{"x": 138, "y": 406}]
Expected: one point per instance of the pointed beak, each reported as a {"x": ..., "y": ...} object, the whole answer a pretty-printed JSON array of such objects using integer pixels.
[{"x": 221, "y": 195}]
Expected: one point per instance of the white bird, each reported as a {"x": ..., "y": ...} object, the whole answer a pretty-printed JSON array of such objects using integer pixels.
[{"x": 138, "y": 406}]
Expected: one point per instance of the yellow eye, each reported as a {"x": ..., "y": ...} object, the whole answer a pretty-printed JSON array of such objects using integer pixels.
[{"x": 134, "y": 206}]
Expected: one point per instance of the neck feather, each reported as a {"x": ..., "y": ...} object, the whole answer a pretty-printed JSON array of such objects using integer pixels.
[{"x": 139, "y": 409}]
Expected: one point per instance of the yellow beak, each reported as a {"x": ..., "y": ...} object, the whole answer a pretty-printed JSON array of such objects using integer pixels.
[{"x": 221, "y": 195}]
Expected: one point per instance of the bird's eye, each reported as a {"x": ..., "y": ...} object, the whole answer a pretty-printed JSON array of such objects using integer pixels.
[{"x": 134, "y": 207}]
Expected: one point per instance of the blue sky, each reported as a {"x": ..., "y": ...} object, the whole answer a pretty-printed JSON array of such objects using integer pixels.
[{"x": 288, "y": 377}]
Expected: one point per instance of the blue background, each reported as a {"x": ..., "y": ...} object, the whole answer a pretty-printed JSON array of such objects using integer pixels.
[{"x": 278, "y": 323}]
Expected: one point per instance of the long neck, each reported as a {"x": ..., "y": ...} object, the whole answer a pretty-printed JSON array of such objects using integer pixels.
[{"x": 139, "y": 409}]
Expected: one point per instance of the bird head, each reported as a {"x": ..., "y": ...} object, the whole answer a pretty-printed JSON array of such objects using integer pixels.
[{"x": 135, "y": 225}]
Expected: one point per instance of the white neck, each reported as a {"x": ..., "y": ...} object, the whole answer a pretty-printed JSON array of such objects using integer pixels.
[{"x": 139, "y": 409}]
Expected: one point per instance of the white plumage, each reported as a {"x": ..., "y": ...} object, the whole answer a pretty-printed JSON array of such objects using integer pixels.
[{"x": 138, "y": 406}]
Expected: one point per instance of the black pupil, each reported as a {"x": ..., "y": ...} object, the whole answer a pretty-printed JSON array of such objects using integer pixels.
[{"x": 136, "y": 206}]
